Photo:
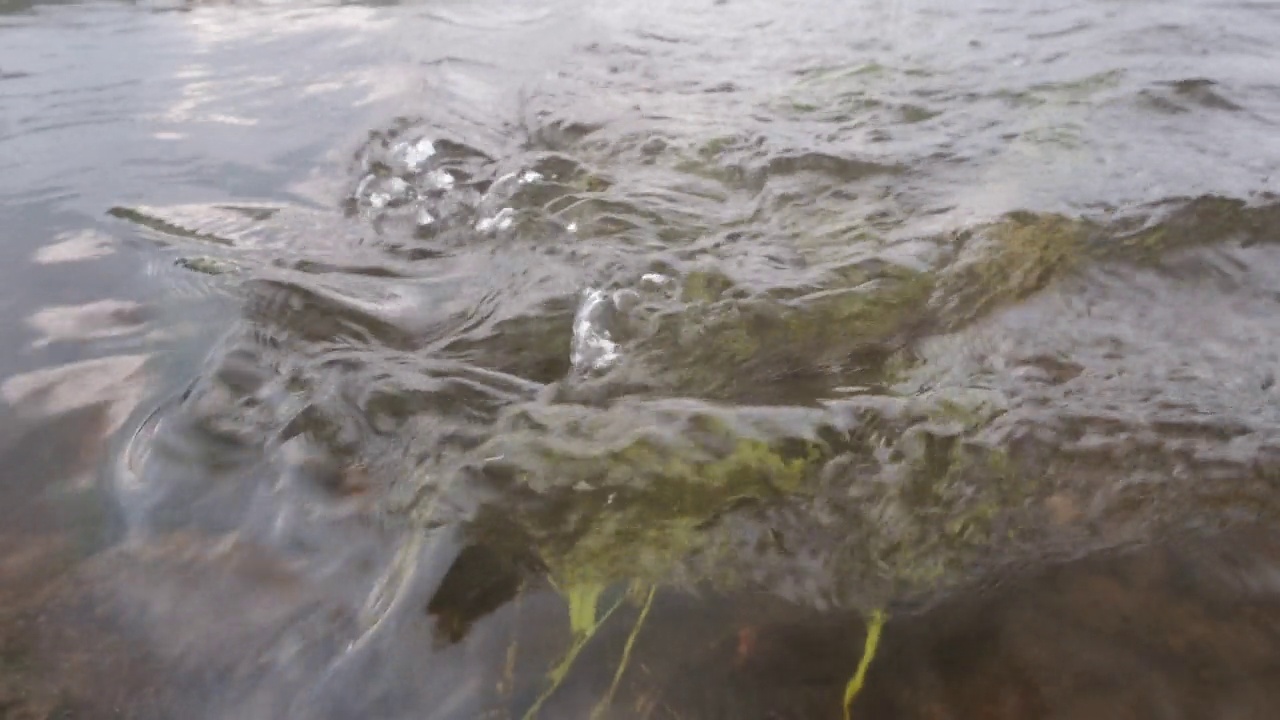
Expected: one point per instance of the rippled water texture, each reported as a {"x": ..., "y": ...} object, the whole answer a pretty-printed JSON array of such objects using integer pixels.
[{"x": 566, "y": 359}]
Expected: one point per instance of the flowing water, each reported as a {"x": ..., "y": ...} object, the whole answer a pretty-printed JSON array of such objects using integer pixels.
[{"x": 562, "y": 358}]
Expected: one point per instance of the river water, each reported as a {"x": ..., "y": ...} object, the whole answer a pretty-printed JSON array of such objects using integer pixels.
[{"x": 561, "y": 358}]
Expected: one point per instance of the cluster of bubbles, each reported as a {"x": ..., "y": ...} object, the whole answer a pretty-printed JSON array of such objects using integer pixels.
[
  {"x": 441, "y": 188},
  {"x": 600, "y": 317},
  {"x": 438, "y": 184}
]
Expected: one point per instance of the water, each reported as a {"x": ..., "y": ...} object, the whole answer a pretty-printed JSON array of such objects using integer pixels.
[{"x": 580, "y": 359}]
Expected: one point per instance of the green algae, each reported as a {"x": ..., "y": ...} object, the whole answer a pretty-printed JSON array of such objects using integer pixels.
[
  {"x": 1007, "y": 261},
  {"x": 725, "y": 346},
  {"x": 946, "y": 504},
  {"x": 723, "y": 340},
  {"x": 637, "y": 494},
  {"x": 1201, "y": 221},
  {"x": 703, "y": 286},
  {"x": 647, "y": 500},
  {"x": 863, "y": 91},
  {"x": 206, "y": 265},
  {"x": 1022, "y": 253},
  {"x": 629, "y": 492},
  {"x": 663, "y": 502},
  {"x": 717, "y": 146}
]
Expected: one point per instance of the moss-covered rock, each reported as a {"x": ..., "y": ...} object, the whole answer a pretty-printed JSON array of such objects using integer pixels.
[
  {"x": 672, "y": 492},
  {"x": 626, "y": 493},
  {"x": 1204, "y": 220},
  {"x": 730, "y": 346},
  {"x": 1006, "y": 261},
  {"x": 944, "y": 509}
]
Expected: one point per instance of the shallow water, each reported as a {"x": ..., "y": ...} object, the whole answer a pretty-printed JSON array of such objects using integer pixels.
[{"x": 579, "y": 359}]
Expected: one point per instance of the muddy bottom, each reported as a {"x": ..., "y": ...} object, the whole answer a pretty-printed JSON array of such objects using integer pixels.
[
  {"x": 1187, "y": 629},
  {"x": 1190, "y": 630}
]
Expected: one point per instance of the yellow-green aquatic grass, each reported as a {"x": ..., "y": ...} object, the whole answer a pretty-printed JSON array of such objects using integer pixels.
[
  {"x": 585, "y": 620},
  {"x": 626, "y": 654},
  {"x": 875, "y": 625}
]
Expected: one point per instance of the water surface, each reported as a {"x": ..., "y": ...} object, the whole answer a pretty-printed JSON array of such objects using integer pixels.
[{"x": 576, "y": 359}]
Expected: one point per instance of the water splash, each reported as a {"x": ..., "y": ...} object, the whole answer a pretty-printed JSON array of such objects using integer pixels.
[
  {"x": 413, "y": 156},
  {"x": 655, "y": 280},
  {"x": 594, "y": 348},
  {"x": 380, "y": 192},
  {"x": 438, "y": 180}
]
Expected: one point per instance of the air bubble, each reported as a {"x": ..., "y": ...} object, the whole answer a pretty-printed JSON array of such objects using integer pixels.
[{"x": 501, "y": 221}]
